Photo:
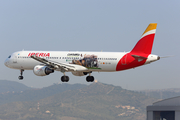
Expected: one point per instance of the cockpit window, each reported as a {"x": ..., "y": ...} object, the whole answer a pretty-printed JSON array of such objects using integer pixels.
[{"x": 9, "y": 56}]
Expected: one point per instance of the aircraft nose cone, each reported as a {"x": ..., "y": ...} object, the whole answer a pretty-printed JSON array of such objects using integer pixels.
[
  {"x": 158, "y": 58},
  {"x": 6, "y": 63}
]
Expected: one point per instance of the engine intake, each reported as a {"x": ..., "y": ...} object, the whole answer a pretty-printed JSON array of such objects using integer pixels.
[{"x": 41, "y": 70}]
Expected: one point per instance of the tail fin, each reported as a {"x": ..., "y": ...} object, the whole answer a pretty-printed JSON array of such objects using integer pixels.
[{"x": 144, "y": 45}]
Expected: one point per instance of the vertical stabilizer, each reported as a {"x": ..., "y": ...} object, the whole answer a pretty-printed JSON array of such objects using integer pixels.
[{"x": 144, "y": 45}]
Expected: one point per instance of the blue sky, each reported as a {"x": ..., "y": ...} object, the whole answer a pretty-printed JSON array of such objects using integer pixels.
[{"x": 92, "y": 25}]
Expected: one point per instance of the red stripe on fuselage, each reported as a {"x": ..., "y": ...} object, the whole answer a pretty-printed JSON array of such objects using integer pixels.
[
  {"x": 128, "y": 62},
  {"x": 142, "y": 48}
]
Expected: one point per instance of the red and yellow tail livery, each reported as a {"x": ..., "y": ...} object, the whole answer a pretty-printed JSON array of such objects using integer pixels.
[
  {"x": 144, "y": 45},
  {"x": 139, "y": 54}
]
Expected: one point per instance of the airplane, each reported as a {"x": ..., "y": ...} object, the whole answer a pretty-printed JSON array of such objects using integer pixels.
[{"x": 84, "y": 63}]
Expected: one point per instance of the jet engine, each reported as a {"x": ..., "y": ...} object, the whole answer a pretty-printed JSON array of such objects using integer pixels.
[
  {"x": 41, "y": 70},
  {"x": 79, "y": 73}
]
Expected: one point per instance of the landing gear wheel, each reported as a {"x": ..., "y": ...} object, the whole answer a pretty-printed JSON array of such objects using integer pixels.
[
  {"x": 64, "y": 78},
  {"x": 90, "y": 79},
  {"x": 20, "y": 77}
]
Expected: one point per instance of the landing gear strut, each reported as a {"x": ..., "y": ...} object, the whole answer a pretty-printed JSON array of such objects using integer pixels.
[
  {"x": 90, "y": 78},
  {"x": 21, "y": 72}
]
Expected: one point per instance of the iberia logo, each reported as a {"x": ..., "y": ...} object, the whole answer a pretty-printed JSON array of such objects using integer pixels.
[{"x": 40, "y": 54}]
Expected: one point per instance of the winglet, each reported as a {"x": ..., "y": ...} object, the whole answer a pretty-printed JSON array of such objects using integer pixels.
[{"x": 144, "y": 45}]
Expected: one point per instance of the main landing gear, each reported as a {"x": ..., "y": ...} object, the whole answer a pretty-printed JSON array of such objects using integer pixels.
[
  {"x": 90, "y": 78},
  {"x": 21, "y": 72},
  {"x": 64, "y": 78}
]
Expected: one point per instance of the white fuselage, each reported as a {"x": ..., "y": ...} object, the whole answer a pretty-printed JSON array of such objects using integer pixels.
[
  {"x": 82, "y": 63},
  {"x": 107, "y": 61}
]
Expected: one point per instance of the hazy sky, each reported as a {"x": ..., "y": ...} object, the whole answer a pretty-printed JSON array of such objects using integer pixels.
[{"x": 93, "y": 25}]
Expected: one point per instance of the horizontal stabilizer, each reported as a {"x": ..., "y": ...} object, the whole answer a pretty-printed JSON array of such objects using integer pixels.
[{"x": 138, "y": 57}]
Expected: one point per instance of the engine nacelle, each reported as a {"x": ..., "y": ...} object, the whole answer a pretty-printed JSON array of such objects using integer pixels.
[
  {"x": 79, "y": 73},
  {"x": 41, "y": 70}
]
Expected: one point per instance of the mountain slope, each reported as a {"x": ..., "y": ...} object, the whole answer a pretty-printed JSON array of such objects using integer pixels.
[
  {"x": 97, "y": 101},
  {"x": 37, "y": 94},
  {"x": 162, "y": 94},
  {"x": 10, "y": 86}
]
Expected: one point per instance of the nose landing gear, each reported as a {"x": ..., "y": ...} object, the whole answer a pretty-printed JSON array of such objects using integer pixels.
[{"x": 21, "y": 77}]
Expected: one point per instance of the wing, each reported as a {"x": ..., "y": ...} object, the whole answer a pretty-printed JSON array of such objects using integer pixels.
[{"x": 63, "y": 67}]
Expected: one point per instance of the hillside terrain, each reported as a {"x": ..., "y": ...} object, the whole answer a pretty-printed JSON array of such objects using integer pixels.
[
  {"x": 97, "y": 101},
  {"x": 19, "y": 92},
  {"x": 11, "y": 86},
  {"x": 162, "y": 93}
]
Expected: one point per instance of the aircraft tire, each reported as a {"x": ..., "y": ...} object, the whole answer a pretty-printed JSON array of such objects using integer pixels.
[
  {"x": 20, "y": 77},
  {"x": 67, "y": 78},
  {"x": 64, "y": 78},
  {"x": 90, "y": 79}
]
